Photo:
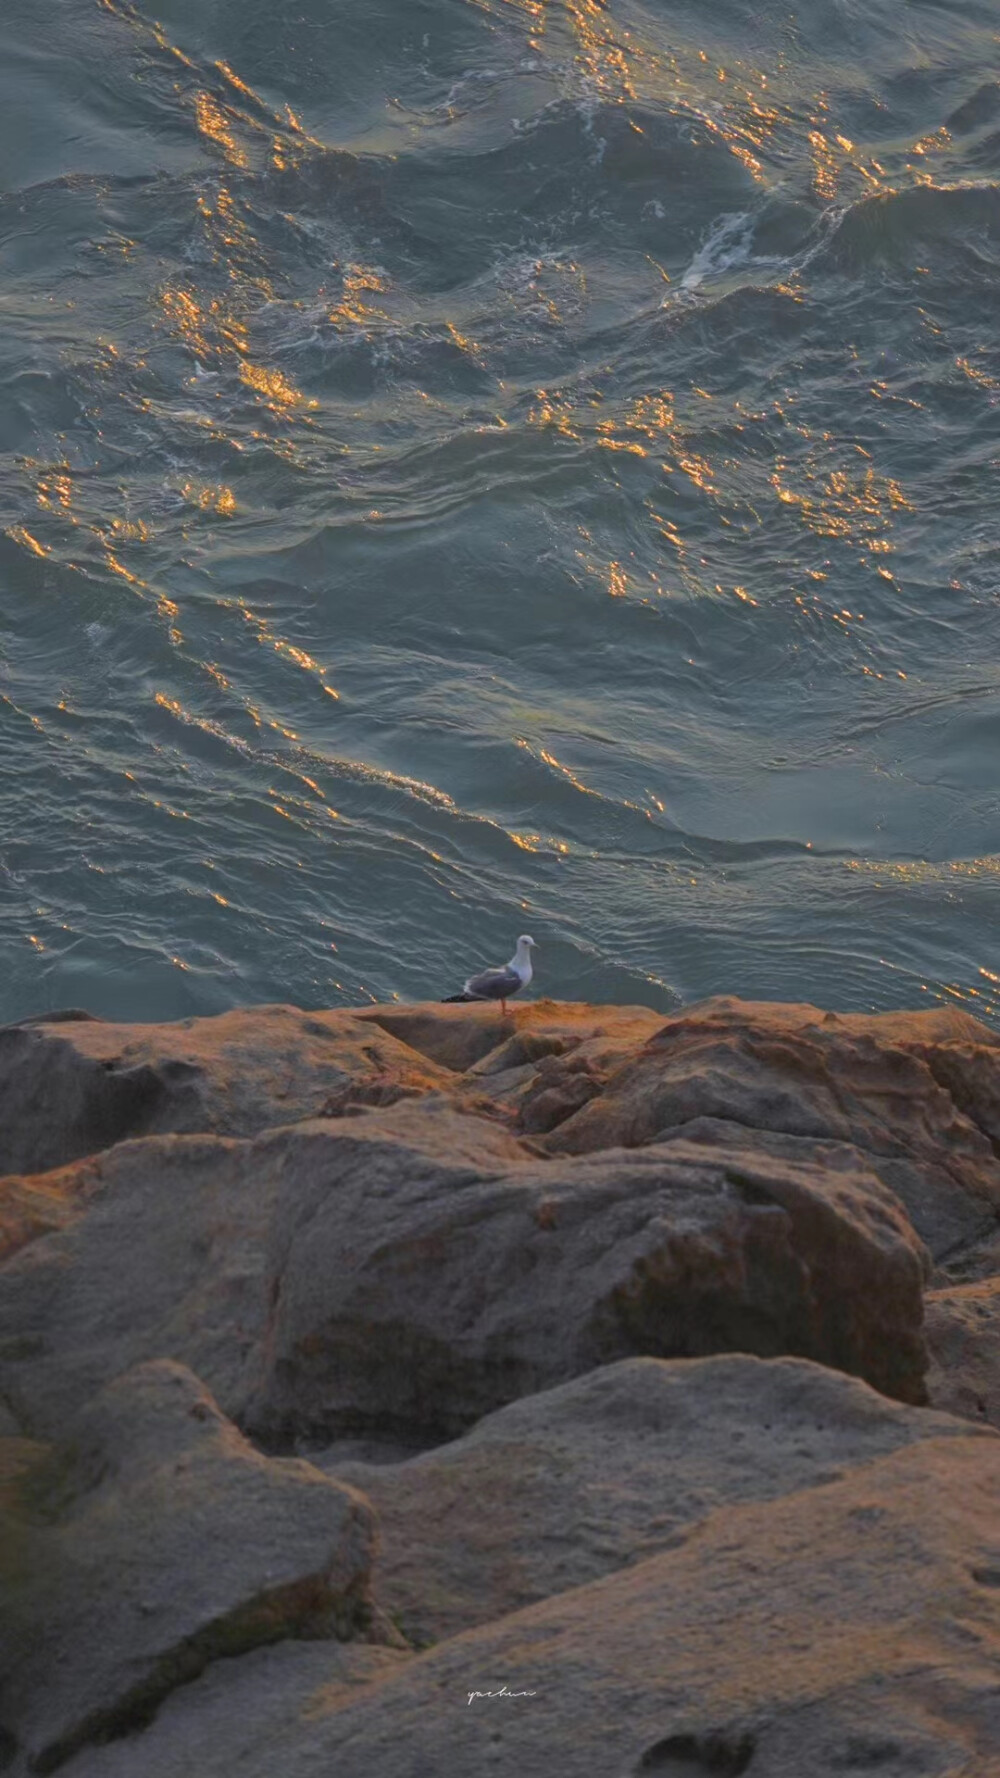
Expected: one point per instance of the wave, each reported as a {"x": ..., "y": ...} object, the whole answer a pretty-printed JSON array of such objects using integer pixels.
[{"x": 900, "y": 226}]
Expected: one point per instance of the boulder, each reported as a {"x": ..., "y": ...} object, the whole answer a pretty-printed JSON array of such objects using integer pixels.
[
  {"x": 151, "y": 1541},
  {"x": 70, "y": 1087},
  {"x": 796, "y": 1072},
  {"x": 564, "y": 1487},
  {"x": 403, "y": 1225},
  {"x": 846, "y": 1628},
  {"x": 963, "y": 1339},
  {"x": 251, "y": 1708},
  {"x": 408, "y": 1270},
  {"x": 210, "y": 1226}
]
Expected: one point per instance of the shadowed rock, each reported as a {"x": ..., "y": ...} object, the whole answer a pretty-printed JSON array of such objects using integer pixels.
[
  {"x": 564, "y": 1487},
  {"x": 152, "y": 1542},
  {"x": 70, "y": 1088},
  {"x": 963, "y": 1337},
  {"x": 411, "y": 1269},
  {"x": 851, "y": 1627},
  {"x": 460, "y": 1037}
]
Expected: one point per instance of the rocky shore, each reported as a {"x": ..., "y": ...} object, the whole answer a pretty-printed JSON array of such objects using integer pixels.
[{"x": 423, "y": 1393}]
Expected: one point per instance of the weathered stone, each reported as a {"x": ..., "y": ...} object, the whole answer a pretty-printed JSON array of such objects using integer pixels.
[
  {"x": 252, "y": 1708},
  {"x": 33, "y": 1205},
  {"x": 469, "y": 1037},
  {"x": 963, "y": 1338},
  {"x": 410, "y": 1269},
  {"x": 562, "y": 1488},
  {"x": 719, "y": 1566},
  {"x": 152, "y": 1542},
  {"x": 847, "y": 1628},
  {"x": 797, "y": 1072},
  {"x": 69, "y": 1088},
  {"x": 210, "y": 1226}
]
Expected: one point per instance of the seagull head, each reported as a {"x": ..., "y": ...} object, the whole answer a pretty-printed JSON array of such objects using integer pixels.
[{"x": 525, "y": 943}]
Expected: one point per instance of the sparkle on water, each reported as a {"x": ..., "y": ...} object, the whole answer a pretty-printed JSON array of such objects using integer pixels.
[{"x": 463, "y": 459}]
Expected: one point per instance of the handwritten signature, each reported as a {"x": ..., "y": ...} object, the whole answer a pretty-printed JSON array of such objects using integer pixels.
[{"x": 504, "y": 1692}]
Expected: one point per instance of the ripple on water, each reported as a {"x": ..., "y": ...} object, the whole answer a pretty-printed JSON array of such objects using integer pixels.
[{"x": 459, "y": 461}]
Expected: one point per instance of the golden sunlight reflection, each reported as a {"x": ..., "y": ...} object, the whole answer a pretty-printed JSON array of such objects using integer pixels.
[
  {"x": 824, "y": 161},
  {"x": 537, "y": 842},
  {"x": 920, "y": 870},
  {"x": 275, "y": 390},
  {"x": 240, "y": 86},
  {"x": 288, "y": 650},
  {"x": 210, "y": 498},
  {"x": 213, "y": 122},
  {"x": 54, "y": 489},
  {"x": 353, "y": 309},
  {"x": 856, "y": 506},
  {"x": 210, "y": 331},
  {"x": 601, "y": 55},
  {"x": 556, "y": 765},
  {"x": 20, "y": 534},
  {"x": 604, "y": 59},
  {"x": 846, "y": 500}
]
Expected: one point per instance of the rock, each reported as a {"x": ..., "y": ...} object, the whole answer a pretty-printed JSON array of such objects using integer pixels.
[
  {"x": 802, "y": 1074},
  {"x": 407, "y": 1270},
  {"x": 917, "y": 1094},
  {"x": 17, "y": 1456},
  {"x": 963, "y": 1338},
  {"x": 71, "y": 1088},
  {"x": 155, "y": 1541},
  {"x": 210, "y": 1226},
  {"x": 378, "y": 1227},
  {"x": 844, "y": 1628},
  {"x": 36, "y": 1204},
  {"x": 252, "y": 1708},
  {"x": 961, "y": 1054},
  {"x": 556, "y": 1090},
  {"x": 470, "y": 1037},
  {"x": 564, "y": 1487}
]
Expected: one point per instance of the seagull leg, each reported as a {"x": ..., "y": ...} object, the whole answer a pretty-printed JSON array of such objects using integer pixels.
[{"x": 503, "y": 1009}]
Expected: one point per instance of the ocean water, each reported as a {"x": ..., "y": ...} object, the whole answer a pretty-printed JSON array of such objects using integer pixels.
[{"x": 482, "y": 466}]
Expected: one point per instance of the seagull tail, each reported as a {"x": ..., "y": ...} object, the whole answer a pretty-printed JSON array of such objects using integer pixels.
[{"x": 451, "y": 999}]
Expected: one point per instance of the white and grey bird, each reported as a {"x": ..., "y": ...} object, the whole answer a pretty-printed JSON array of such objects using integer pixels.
[{"x": 500, "y": 984}]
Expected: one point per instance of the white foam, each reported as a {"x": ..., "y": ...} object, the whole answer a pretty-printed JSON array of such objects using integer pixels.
[{"x": 726, "y": 246}]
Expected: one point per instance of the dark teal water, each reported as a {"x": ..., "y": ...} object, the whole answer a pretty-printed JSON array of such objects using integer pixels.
[{"x": 473, "y": 466}]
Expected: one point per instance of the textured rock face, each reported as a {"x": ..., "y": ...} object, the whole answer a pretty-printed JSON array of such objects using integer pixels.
[
  {"x": 802, "y": 1074},
  {"x": 413, "y": 1269},
  {"x": 151, "y": 1543},
  {"x": 963, "y": 1335},
  {"x": 73, "y": 1086},
  {"x": 364, "y": 1233},
  {"x": 838, "y": 1611},
  {"x": 851, "y": 1627},
  {"x": 565, "y": 1487},
  {"x": 36, "y": 1205}
]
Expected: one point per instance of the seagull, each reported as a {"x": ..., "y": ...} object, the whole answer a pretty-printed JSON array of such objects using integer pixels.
[{"x": 500, "y": 984}]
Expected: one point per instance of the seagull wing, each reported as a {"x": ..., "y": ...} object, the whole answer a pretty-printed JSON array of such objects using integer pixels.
[{"x": 494, "y": 984}]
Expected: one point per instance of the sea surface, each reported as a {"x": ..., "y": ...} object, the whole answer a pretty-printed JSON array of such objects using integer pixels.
[{"x": 481, "y": 466}]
